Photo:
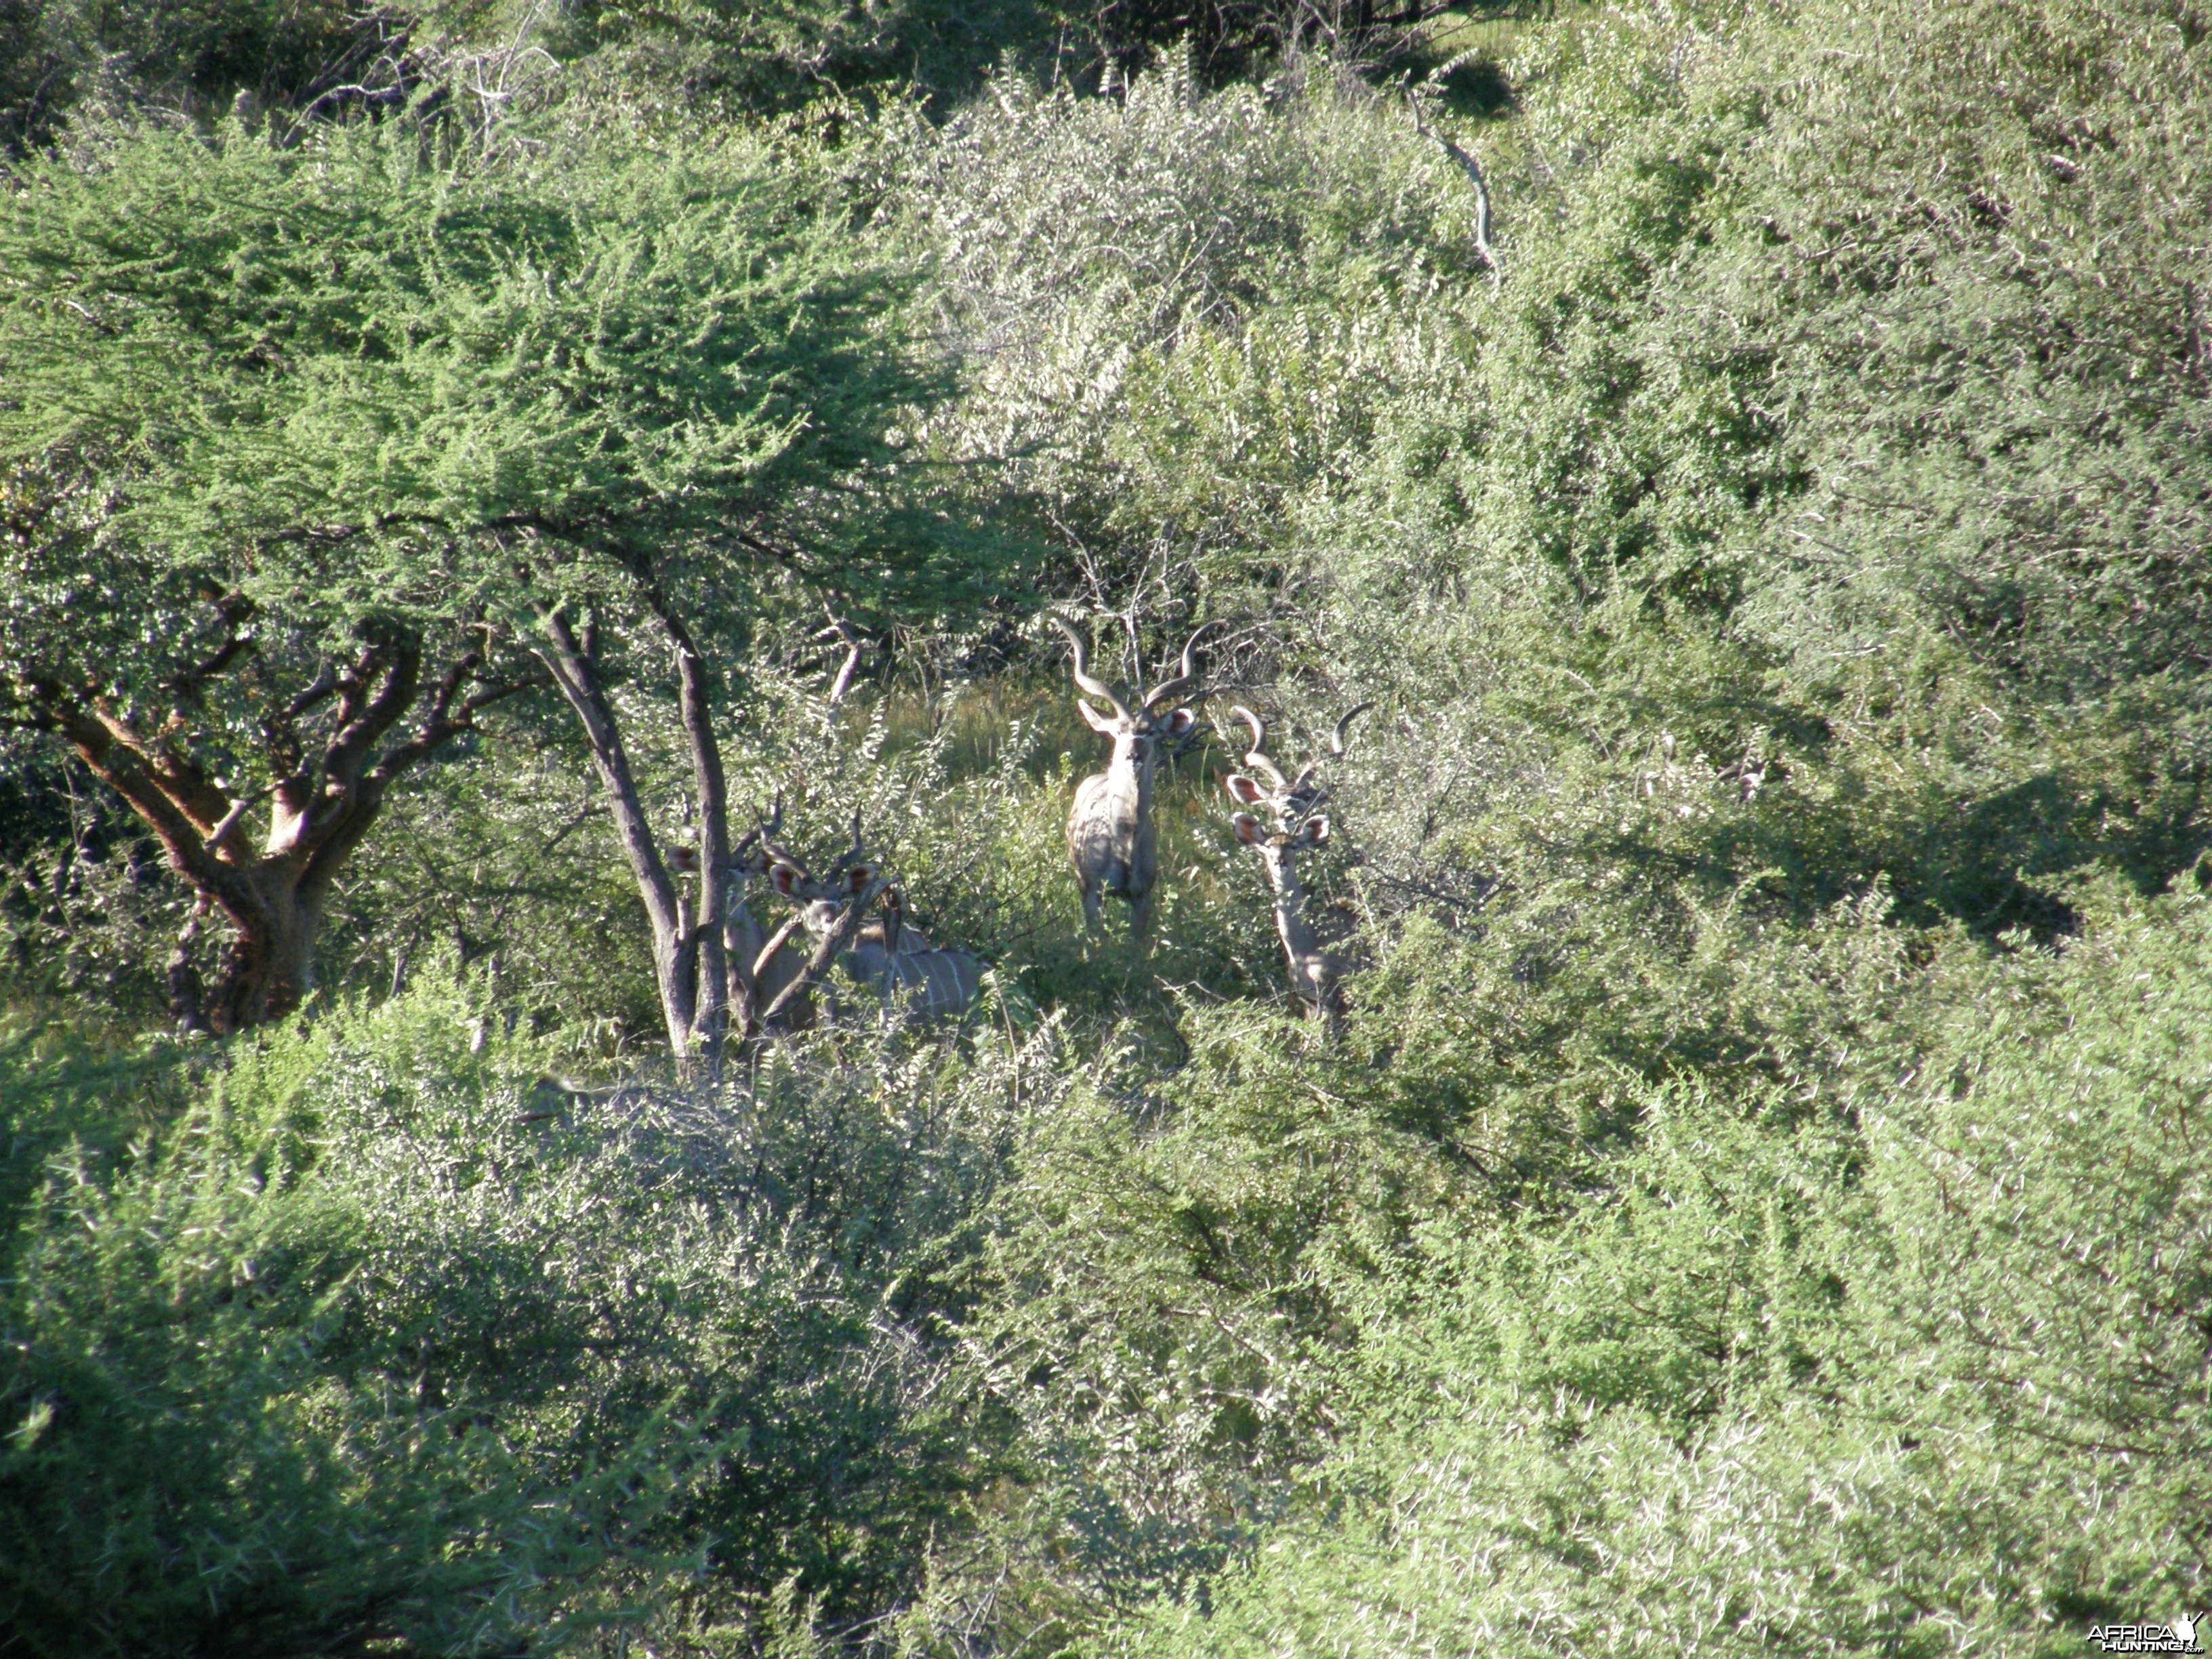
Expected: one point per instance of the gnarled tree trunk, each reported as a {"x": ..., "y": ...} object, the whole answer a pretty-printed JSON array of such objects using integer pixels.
[{"x": 328, "y": 786}]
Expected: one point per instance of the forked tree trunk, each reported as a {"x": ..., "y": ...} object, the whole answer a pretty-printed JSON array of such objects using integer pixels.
[
  {"x": 325, "y": 797},
  {"x": 575, "y": 670},
  {"x": 700, "y": 947},
  {"x": 691, "y": 976}
]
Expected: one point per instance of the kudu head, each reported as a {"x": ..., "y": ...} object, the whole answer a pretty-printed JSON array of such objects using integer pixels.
[
  {"x": 821, "y": 899},
  {"x": 1292, "y": 818},
  {"x": 1137, "y": 726},
  {"x": 919, "y": 980},
  {"x": 755, "y": 855}
]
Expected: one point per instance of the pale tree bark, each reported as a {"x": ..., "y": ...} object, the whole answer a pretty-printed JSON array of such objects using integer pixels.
[
  {"x": 1465, "y": 163},
  {"x": 717, "y": 977},
  {"x": 710, "y": 789},
  {"x": 695, "y": 976},
  {"x": 377, "y": 720},
  {"x": 574, "y": 663}
]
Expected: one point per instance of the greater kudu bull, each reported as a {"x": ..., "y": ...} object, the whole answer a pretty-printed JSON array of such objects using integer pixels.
[
  {"x": 1109, "y": 830},
  {"x": 1293, "y": 805}
]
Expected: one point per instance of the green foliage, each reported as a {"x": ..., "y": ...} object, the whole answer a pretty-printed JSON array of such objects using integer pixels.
[
  {"x": 373, "y": 1343},
  {"x": 86, "y": 912},
  {"x": 1906, "y": 1365},
  {"x": 718, "y": 59},
  {"x": 1754, "y": 1203},
  {"x": 1244, "y": 295},
  {"x": 380, "y": 367},
  {"x": 197, "y": 56},
  {"x": 1759, "y": 451}
]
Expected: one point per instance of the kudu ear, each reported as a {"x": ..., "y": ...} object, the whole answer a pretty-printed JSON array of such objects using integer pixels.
[
  {"x": 857, "y": 878},
  {"x": 1313, "y": 832},
  {"x": 1094, "y": 720},
  {"x": 786, "y": 878},
  {"x": 1248, "y": 829},
  {"x": 1246, "y": 791},
  {"x": 1179, "y": 723}
]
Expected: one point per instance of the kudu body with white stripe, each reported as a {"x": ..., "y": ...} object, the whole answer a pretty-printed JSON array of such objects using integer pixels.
[
  {"x": 922, "y": 981},
  {"x": 1293, "y": 823},
  {"x": 1111, "y": 840}
]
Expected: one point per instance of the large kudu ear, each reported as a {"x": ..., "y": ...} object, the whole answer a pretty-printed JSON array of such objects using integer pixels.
[
  {"x": 1179, "y": 724},
  {"x": 1244, "y": 790},
  {"x": 787, "y": 879},
  {"x": 1096, "y": 721},
  {"x": 1313, "y": 832},
  {"x": 1248, "y": 828},
  {"x": 1079, "y": 672}
]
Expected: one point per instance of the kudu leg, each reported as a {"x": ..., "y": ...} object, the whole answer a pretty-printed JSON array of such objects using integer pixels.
[{"x": 1140, "y": 919}]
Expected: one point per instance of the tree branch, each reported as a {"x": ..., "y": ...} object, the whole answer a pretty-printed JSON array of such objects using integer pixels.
[
  {"x": 826, "y": 953},
  {"x": 124, "y": 768},
  {"x": 753, "y": 543},
  {"x": 843, "y": 630},
  {"x": 397, "y": 659},
  {"x": 181, "y": 779},
  {"x": 280, "y": 736},
  {"x": 710, "y": 784},
  {"x": 435, "y": 730},
  {"x": 236, "y": 610},
  {"x": 577, "y": 680}
]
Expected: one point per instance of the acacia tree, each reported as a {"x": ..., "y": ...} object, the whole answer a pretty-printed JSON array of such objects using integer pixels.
[
  {"x": 423, "y": 416},
  {"x": 199, "y": 710}
]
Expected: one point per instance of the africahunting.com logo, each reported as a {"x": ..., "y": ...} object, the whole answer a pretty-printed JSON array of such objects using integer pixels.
[{"x": 2180, "y": 1637}]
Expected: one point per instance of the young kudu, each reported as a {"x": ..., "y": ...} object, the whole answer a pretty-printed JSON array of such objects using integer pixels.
[
  {"x": 1109, "y": 830},
  {"x": 925, "y": 982},
  {"x": 1293, "y": 806}
]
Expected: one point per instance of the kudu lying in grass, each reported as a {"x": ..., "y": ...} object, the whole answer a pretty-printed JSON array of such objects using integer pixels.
[
  {"x": 1293, "y": 823},
  {"x": 1110, "y": 831},
  {"x": 924, "y": 982}
]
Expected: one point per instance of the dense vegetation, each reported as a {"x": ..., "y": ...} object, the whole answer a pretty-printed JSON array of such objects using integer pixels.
[{"x": 463, "y": 466}]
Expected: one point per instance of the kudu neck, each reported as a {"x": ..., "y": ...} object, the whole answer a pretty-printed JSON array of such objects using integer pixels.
[
  {"x": 1282, "y": 868},
  {"x": 1134, "y": 763}
]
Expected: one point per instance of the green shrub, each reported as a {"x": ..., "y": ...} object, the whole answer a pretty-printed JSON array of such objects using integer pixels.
[
  {"x": 1913, "y": 1365},
  {"x": 368, "y": 1345}
]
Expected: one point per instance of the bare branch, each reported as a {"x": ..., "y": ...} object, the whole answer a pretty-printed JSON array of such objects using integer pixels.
[
  {"x": 843, "y": 630},
  {"x": 323, "y": 686},
  {"x": 187, "y": 687},
  {"x": 777, "y": 941},
  {"x": 832, "y": 945},
  {"x": 710, "y": 786},
  {"x": 230, "y": 821}
]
